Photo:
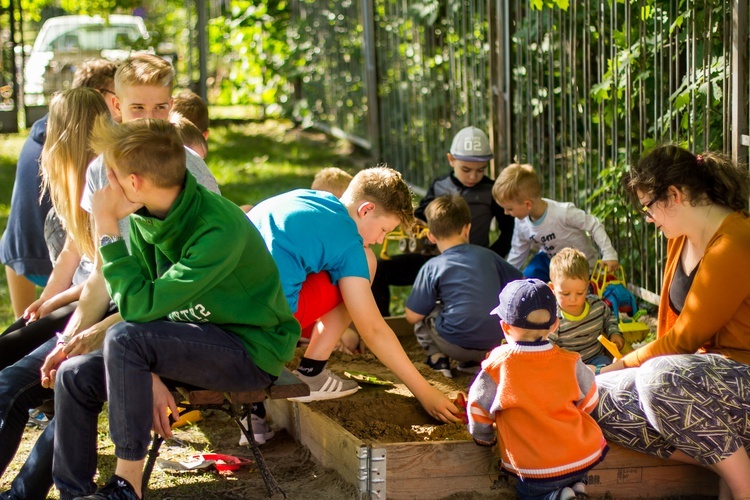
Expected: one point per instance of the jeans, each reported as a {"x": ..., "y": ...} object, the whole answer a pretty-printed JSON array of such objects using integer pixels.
[
  {"x": 34, "y": 480},
  {"x": 547, "y": 490},
  {"x": 20, "y": 391},
  {"x": 538, "y": 267},
  {"x": 202, "y": 355},
  {"x": 20, "y": 338}
]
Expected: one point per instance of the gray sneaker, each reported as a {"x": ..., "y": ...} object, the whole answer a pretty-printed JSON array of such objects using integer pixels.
[
  {"x": 325, "y": 385},
  {"x": 262, "y": 432}
]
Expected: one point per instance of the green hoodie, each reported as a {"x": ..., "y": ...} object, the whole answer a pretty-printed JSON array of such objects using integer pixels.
[{"x": 204, "y": 263}]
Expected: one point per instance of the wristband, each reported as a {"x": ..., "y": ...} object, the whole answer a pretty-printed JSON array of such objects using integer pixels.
[
  {"x": 62, "y": 339},
  {"x": 598, "y": 369}
]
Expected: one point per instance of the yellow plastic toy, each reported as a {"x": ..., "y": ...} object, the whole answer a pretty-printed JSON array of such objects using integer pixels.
[
  {"x": 406, "y": 243},
  {"x": 611, "y": 287}
]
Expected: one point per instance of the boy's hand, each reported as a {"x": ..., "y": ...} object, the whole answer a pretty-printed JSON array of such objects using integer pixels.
[
  {"x": 110, "y": 204},
  {"x": 163, "y": 399},
  {"x": 92, "y": 338},
  {"x": 612, "y": 265},
  {"x": 440, "y": 407},
  {"x": 617, "y": 340}
]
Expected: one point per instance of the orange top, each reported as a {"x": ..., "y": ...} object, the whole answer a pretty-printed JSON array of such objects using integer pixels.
[{"x": 716, "y": 315}]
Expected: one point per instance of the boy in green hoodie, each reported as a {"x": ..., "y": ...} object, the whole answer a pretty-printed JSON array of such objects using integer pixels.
[{"x": 199, "y": 294}]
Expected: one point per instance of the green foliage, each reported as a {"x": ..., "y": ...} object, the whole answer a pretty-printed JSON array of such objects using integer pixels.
[{"x": 250, "y": 49}]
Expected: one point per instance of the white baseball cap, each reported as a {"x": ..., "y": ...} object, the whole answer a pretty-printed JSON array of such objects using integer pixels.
[{"x": 471, "y": 144}]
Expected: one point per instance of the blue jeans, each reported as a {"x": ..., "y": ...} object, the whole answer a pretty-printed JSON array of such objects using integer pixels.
[
  {"x": 547, "y": 490},
  {"x": 20, "y": 391},
  {"x": 538, "y": 267},
  {"x": 202, "y": 355},
  {"x": 34, "y": 480},
  {"x": 599, "y": 359}
]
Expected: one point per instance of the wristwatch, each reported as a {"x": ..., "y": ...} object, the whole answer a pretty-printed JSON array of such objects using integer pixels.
[{"x": 109, "y": 238}]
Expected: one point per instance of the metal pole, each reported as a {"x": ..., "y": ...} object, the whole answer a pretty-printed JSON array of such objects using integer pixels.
[
  {"x": 200, "y": 5},
  {"x": 371, "y": 78},
  {"x": 739, "y": 83}
]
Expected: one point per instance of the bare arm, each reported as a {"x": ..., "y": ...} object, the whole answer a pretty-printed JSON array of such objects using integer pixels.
[
  {"x": 57, "y": 292},
  {"x": 381, "y": 340}
]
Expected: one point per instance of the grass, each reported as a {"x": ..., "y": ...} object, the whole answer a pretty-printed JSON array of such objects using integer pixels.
[{"x": 251, "y": 161}]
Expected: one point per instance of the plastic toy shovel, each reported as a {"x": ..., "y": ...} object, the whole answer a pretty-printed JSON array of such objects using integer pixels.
[{"x": 610, "y": 346}]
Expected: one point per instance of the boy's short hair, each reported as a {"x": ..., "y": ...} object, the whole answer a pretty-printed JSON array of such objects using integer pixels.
[
  {"x": 189, "y": 133},
  {"x": 517, "y": 182},
  {"x": 146, "y": 147},
  {"x": 95, "y": 74},
  {"x": 447, "y": 216},
  {"x": 569, "y": 263},
  {"x": 384, "y": 187},
  {"x": 144, "y": 69},
  {"x": 332, "y": 179},
  {"x": 193, "y": 107},
  {"x": 528, "y": 304}
]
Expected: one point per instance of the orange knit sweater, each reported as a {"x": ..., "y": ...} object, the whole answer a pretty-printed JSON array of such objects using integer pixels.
[
  {"x": 539, "y": 396},
  {"x": 716, "y": 315}
]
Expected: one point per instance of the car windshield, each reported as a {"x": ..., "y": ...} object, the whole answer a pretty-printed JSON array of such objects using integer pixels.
[{"x": 91, "y": 37}]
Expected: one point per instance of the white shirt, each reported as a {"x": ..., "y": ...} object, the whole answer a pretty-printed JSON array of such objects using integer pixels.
[{"x": 562, "y": 225}]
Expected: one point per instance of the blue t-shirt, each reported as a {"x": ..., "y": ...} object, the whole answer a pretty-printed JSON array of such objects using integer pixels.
[
  {"x": 307, "y": 232},
  {"x": 467, "y": 279}
]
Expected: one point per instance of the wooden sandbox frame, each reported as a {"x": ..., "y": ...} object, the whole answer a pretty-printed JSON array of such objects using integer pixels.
[{"x": 440, "y": 468}]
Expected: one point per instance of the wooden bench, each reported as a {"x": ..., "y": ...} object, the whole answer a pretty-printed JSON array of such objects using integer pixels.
[{"x": 238, "y": 406}]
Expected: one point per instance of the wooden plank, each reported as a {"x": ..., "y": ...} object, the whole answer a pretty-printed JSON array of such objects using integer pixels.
[
  {"x": 400, "y": 326},
  {"x": 652, "y": 482},
  {"x": 437, "y": 469},
  {"x": 286, "y": 386},
  {"x": 330, "y": 444},
  {"x": 281, "y": 415}
]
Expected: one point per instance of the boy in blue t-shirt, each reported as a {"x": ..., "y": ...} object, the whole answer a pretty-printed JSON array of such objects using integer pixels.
[
  {"x": 454, "y": 291},
  {"x": 321, "y": 247},
  {"x": 469, "y": 156}
]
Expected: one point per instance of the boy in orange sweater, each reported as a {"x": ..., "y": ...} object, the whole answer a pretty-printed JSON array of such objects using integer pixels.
[{"x": 540, "y": 397}]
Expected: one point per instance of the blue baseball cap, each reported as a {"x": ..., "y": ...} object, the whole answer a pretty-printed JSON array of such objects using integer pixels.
[{"x": 520, "y": 297}]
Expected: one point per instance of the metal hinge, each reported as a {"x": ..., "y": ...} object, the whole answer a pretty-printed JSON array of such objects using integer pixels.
[{"x": 371, "y": 473}]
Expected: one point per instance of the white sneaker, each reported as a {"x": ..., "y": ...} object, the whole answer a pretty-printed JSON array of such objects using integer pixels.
[
  {"x": 261, "y": 430},
  {"x": 325, "y": 385}
]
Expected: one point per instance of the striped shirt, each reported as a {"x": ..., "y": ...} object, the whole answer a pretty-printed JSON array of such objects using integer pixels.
[{"x": 581, "y": 334}]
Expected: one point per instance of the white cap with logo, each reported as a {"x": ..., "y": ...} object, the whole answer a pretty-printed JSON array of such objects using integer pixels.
[{"x": 471, "y": 144}]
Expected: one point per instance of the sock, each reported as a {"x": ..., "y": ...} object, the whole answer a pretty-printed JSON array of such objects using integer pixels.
[
  {"x": 311, "y": 367},
  {"x": 259, "y": 410}
]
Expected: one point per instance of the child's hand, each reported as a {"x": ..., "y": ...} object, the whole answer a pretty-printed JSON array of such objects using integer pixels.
[
  {"x": 617, "y": 340},
  {"x": 612, "y": 265},
  {"x": 440, "y": 407}
]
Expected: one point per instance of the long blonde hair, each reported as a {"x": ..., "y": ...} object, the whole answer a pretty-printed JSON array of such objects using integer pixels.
[{"x": 65, "y": 157}]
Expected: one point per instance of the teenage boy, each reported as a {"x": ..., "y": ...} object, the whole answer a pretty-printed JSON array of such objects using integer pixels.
[
  {"x": 321, "y": 246},
  {"x": 200, "y": 297},
  {"x": 454, "y": 291}
]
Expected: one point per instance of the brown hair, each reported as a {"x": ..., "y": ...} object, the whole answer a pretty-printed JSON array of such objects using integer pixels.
[
  {"x": 332, "y": 179},
  {"x": 708, "y": 177},
  {"x": 94, "y": 73},
  {"x": 144, "y": 69},
  {"x": 191, "y": 136},
  {"x": 146, "y": 147},
  {"x": 191, "y": 106},
  {"x": 385, "y": 188},
  {"x": 569, "y": 263},
  {"x": 447, "y": 216},
  {"x": 66, "y": 155},
  {"x": 517, "y": 182}
]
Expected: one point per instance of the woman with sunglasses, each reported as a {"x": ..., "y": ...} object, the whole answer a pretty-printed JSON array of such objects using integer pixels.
[{"x": 686, "y": 396}]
